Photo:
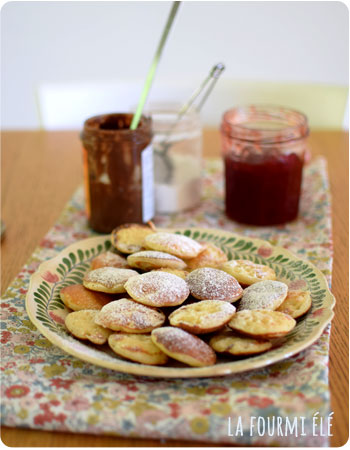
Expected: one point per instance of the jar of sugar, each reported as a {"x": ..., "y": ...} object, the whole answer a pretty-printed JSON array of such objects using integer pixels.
[{"x": 177, "y": 146}]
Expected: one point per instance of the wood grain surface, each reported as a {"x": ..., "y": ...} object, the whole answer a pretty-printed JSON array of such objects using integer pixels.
[{"x": 40, "y": 171}]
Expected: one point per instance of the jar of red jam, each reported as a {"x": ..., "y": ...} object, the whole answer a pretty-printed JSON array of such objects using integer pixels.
[
  {"x": 118, "y": 171},
  {"x": 263, "y": 149}
]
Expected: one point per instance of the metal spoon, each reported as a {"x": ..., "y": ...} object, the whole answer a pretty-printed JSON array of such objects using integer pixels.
[{"x": 164, "y": 166}]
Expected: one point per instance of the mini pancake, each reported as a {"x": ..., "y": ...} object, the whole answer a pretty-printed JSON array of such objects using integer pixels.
[
  {"x": 229, "y": 342},
  {"x": 129, "y": 238},
  {"x": 109, "y": 259},
  {"x": 77, "y": 297},
  {"x": 211, "y": 256},
  {"x": 247, "y": 272},
  {"x": 129, "y": 317},
  {"x": 202, "y": 317},
  {"x": 263, "y": 295},
  {"x": 82, "y": 325},
  {"x": 262, "y": 324},
  {"x": 296, "y": 304},
  {"x": 208, "y": 283},
  {"x": 137, "y": 347},
  {"x": 108, "y": 279},
  {"x": 151, "y": 259},
  {"x": 175, "y": 244},
  {"x": 184, "y": 346},
  {"x": 180, "y": 273},
  {"x": 157, "y": 289}
]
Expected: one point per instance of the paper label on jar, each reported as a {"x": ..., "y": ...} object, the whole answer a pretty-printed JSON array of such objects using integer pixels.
[{"x": 147, "y": 184}]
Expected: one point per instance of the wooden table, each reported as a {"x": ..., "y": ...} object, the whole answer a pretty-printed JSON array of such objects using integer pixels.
[{"x": 40, "y": 171}]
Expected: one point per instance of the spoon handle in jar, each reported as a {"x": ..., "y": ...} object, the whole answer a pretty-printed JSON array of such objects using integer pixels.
[{"x": 152, "y": 70}]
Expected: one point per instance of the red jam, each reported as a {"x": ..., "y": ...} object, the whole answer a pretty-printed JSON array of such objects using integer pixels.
[
  {"x": 263, "y": 193},
  {"x": 263, "y": 149}
]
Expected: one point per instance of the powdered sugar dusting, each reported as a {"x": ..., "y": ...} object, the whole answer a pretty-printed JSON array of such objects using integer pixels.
[
  {"x": 179, "y": 342},
  {"x": 109, "y": 276},
  {"x": 175, "y": 244},
  {"x": 213, "y": 284},
  {"x": 128, "y": 315},
  {"x": 158, "y": 289},
  {"x": 108, "y": 259},
  {"x": 264, "y": 295},
  {"x": 154, "y": 254}
]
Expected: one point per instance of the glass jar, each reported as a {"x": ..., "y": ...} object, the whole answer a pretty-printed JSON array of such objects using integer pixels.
[
  {"x": 118, "y": 171},
  {"x": 177, "y": 148},
  {"x": 263, "y": 149}
]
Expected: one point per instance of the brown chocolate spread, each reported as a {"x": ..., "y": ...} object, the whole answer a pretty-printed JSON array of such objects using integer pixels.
[{"x": 113, "y": 169}]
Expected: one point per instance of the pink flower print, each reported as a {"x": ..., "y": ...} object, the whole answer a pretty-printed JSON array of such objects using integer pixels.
[
  {"x": 50, "y": 277},
  {"x": 17, "y": 391},
  {"x": 61, "y": 383},
  {"x": 36, "y": 360},
  {"x": 5, "y": 337},
  {"x": 28, "y": 403},
  {"x": 175, "y": 410},
  {"x": 47, "y": 243},
  {"x": 78, "y": 235},
  {"x": 77, "y": 404},
  {"x": 152, "y": 416},
  {"x": 48, "y": 416},
  {"x": 258, "y": 402},
  {"x": 217, "y": 390}
]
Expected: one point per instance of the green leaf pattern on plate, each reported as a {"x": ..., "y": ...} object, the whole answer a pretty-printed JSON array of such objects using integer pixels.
[{"x": 74, "y": 266}]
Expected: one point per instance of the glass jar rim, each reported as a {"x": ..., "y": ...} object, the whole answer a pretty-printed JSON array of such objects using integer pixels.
[
  {"x": 162, "y": 110},
  {"x": 92, "y": 129},
  {"x": 292, "y": 124},
  {"x": 93, "y": 124}
]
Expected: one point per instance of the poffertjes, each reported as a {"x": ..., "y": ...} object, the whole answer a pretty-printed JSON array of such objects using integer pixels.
[
  {"x": 183, "y": 346},
  {"x": 262, "y": 324},
  {"x": 157, "y": 289},
  {"x": 137, "y": 347},
  {"x": 108, "y": 279},
  {"x": 82, "y": 325},
  {"x": 77, "y": 297},
  {"x": 175, "y": 244},
  {"x": 201, "y": 317},
  {"x": 212, "y": 284},
  {"x": 128, "y": 316}
]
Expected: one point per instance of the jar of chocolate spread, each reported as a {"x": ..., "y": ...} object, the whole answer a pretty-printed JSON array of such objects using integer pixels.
[{"x": 118, "y": 171}]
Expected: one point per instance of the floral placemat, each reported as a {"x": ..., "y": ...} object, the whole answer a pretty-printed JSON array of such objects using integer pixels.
[{"x": 286, "y": 404}]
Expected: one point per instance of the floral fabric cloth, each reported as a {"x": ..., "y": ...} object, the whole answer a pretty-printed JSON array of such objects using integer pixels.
[{"x": 44, "y": 388}]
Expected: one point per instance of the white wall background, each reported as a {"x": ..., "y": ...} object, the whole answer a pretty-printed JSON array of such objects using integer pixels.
[{"x": 96, "y": 41}]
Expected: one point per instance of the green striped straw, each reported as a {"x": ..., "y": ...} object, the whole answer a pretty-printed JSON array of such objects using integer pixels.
[{"x": 152, "y": 70}]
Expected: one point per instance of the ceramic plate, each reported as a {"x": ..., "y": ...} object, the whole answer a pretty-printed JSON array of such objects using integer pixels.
[{"x": 47, "y": 312}]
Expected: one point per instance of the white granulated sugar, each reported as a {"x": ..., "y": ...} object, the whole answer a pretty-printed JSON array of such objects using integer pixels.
[
  {"x": 213, "y": 284},
  {"x": 263, "y": 295},
  {"x": 109, "y": 276}
]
